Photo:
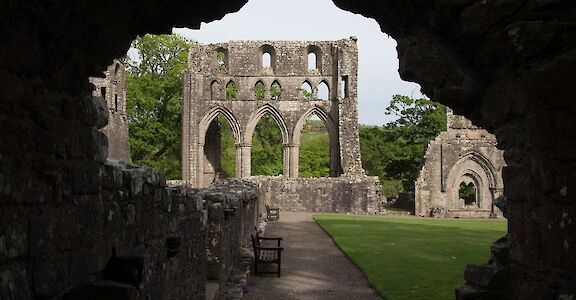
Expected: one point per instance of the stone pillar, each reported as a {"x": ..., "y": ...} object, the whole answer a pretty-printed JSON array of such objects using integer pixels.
[
  {"x": 238, "y": 160},
  {"x": 198, "y": 174},
  {"x": 246, "y": 154},
  {"x": 348, "y": 136},
  {"x": 294, "y": 150}
]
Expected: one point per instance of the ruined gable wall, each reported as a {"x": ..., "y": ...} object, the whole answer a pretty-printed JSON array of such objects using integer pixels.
[{"x": 450, "y": 155}]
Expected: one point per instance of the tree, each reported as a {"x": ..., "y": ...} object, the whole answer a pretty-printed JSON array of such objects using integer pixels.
[
  {"x": 394, "y": 151},
  {"x": 154, "y": 90},
  {"x": 267, "y": 148}
]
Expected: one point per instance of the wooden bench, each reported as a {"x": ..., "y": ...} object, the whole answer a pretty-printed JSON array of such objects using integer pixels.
[
  {"x": 272, "y": 213},
  {"x": 267, "y": 255}
]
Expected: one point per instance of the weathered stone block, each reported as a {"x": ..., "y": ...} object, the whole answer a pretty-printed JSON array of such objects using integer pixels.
[{"x": 492, "y": 277}]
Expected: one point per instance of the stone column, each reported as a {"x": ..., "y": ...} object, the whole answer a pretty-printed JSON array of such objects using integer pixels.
[
  {"x": 246, "y": 153},
  {"x": 198, "y": 181},
  {"x": 286, "y": 160},
  {"x": 238, "y": 160},
  {"x": 291, "y": 168}
]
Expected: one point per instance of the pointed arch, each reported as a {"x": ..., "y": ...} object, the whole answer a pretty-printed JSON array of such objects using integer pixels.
[
  {"x": 231, "y": 90},
  {"x": 332, "y": 138},
  {"x": 305, "y": 91},
  {"x": 471, "y": 167},
  {"x": 259, "y": 90},
  {"x": 211, "y": 115},
  {"x": 483, "y": 162},
  {"x": 258, "y": 114},
  {"x": 215, "y": 90},
  {"x": 275, "y": 90},
  {"x": 318, "y": 111},
  {"x": 323, "y": 90}
]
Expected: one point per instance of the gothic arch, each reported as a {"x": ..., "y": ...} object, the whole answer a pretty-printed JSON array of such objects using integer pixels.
[
  {"x": 211, "y": 115},
  {"x": 476, "y": 166},
  {"x": 332, "y": 137},
  {"x": 483, "y": 162},
  {"x": 316, "y": 110},
  {"x": 258, "y": 114}
]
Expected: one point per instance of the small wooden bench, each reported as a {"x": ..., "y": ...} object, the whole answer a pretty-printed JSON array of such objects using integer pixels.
[
  {"x": 272, "y": 213},
  {"x": 267, "y": 255}
]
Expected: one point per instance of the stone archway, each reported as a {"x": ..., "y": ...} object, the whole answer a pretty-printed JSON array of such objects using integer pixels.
[
  {"x": 472, "y": 168},
  {"x": 335, "y": 168},
  {"x": 209, "y": 165},
  {"x": 253, "y": 121}
]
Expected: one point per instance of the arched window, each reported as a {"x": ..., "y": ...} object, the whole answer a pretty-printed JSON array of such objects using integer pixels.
[
  {"x": 275, "y": 90},
  {"x": 222, "y": 60},
  {"x": 268, "y": 56},
  {"x": 231, "y": 90},
  {"x": 266, "y": 60},
  {"x": 344, "y": 87},
  {"x": 314, "y": 58},
  {"x": 215, "y": 90},
  {"x": 305, "y": 91},
  {"x": 323, "y": 91},
  {"x": 311, "y": 61},
  {"x": 468, "y": 193},
  {"x": 259, "y": 90}
]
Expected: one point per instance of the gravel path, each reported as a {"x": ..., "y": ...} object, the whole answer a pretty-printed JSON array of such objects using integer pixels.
[{"x": 312, "y": 266}]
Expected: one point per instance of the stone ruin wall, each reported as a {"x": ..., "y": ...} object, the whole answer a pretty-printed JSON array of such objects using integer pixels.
[
  {"x": 463, "y": 153},
  {"x": 506, "y": 65},
  {"x": 355, "y": 194},
  {"x": 112, "y": 88},
  {"x": 204, "y": 100}
]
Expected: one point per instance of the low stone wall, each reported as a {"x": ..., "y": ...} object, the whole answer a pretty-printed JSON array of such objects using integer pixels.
[
  {"x": 232, "y": 217},
  {"x": 354, "y": 194},
  {"x": 128, "y": 235}
]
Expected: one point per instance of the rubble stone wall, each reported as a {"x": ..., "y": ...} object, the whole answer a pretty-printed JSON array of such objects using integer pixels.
[{"x": 354, "y": 194}]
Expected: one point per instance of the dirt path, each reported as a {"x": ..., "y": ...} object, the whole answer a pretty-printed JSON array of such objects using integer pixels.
[{"x": 312, "y": 266}]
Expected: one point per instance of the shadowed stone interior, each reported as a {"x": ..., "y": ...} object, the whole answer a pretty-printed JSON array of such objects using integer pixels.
[{"x": 506, "y": 65}]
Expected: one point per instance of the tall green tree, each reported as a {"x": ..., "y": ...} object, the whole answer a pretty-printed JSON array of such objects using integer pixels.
[
  {"x": 154, "y": 90},
  {"x": 394, "y": 152},
  {"x": 267, "y": 148}
]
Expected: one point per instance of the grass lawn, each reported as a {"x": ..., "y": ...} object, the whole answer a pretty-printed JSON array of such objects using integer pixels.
[{"x": 410, "y": 258}]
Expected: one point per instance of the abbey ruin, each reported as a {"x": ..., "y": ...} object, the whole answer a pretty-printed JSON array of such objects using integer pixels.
[
  {"x": 112, "y": 88},
  {"x": 70, "y": 219},
  {"x": 464, "y": 156},
  {"x": 269, "y": 78}
]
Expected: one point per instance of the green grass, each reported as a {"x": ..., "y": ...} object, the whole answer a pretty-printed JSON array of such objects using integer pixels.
[{"x": 410, "y": 258}]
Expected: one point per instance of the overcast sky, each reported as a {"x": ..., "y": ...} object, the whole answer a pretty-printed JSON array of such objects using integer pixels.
[{"x": 378, "y": 77}]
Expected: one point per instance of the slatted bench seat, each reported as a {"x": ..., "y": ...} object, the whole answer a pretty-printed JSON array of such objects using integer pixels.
[
  {"x": 272, "y": 213},
  {"x": 267, "y": 255}
]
